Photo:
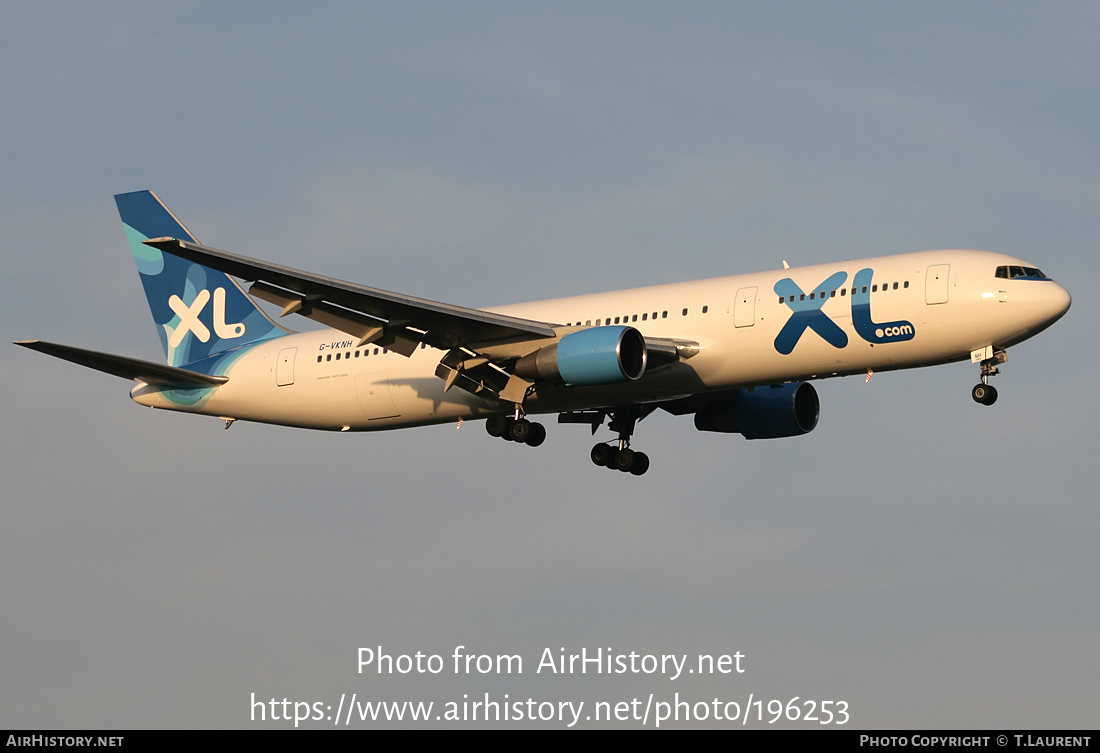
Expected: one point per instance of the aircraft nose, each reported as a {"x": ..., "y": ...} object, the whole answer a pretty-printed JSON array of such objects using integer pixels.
[{"x": 1057, "y": 302}]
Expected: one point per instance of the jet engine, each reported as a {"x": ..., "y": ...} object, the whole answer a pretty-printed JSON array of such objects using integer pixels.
[
  {"x": 781, "y": 410},
  {"x": 600, "y": 355}
]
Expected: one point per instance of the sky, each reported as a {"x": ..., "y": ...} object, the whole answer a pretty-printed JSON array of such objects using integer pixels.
[{"x": 923, "y": 560}]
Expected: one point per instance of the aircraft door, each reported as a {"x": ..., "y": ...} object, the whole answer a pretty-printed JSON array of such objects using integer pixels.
[
  {"x": 744, "y": 307},
  {"x": 935, "y": 284},
  {"x": 284, "y": 367}
]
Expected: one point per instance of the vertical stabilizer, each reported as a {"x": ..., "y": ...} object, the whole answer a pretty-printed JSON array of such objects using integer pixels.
[{"x": 199, "y": 312}]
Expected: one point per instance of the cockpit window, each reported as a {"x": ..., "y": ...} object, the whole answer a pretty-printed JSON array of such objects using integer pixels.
[{"x": 1017, "y": 273}]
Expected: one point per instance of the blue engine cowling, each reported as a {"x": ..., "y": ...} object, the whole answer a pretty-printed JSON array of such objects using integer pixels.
[
  {"x": 781, "y": 410},
  {"x": 600, "y": 355}
]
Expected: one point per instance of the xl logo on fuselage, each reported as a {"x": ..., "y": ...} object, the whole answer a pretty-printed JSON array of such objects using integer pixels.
[
  {"x": 807, "y": 313},
  {"x": 189, "y": 318}
]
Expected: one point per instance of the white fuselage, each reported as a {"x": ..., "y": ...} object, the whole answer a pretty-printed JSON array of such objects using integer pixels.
[{"x": 936, "y": 307}]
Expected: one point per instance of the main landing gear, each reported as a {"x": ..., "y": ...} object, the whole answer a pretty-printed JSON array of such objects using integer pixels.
[
  {"x": 516, "y": 429},
  {"x": 618, "y": 456},
  {"x": 985, "y": 393},
  {"x": 622, "y": 459}
]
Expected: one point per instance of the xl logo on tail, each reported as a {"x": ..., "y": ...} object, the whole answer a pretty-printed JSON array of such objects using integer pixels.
[
  {"x": 807, "y": 314},
  {"x": 189, "y": 318}
]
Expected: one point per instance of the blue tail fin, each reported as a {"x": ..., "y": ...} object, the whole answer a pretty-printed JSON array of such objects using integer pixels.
[{"x": 199, "y": 312}]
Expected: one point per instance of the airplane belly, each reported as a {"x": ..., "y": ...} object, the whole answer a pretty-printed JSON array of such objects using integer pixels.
[
  {"x": 324, "y": 404},
  {"x": 409, "y": 394}
]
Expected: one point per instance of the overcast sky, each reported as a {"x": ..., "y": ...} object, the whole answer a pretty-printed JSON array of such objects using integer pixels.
[{"x": 930, "y": 561}]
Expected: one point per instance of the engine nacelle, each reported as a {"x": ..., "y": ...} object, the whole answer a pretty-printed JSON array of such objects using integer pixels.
[
  {"x": 599, "y": 355},
  {"x": 781, "y": 410}
]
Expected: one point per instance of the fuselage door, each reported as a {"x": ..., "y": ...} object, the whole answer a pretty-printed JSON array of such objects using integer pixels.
[
  {"x": 744, "y": 307},
  {"x": 935, "y": 285},
  {"x": 284, "y": 367}
]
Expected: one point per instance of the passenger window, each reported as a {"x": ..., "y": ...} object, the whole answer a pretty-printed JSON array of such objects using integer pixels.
[
  {"x": 684, "y": 312},
  {"x": 705, "y": 309},
  {"x": 634, "y": 318},
  {"x": 644, "y": 316},
  {"x": 318, "y": 359}
]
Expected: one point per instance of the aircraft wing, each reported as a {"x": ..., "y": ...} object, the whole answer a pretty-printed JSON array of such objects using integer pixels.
[
  {"x": 480, "y": 345},
  {"x": 399, "y": 322},
  {"x": 128, "y": 368}
]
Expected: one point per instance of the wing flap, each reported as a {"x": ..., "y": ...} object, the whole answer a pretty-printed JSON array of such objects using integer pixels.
[
  {"x": 127, "y": 368},
  {"x": 368, "y": 329}
]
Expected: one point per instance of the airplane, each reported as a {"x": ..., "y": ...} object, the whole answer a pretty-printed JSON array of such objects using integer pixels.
[{"x": 738, "y": 353}]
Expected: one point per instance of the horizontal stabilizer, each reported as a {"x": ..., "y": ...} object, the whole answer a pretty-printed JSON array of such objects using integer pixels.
[{"x": 127, "y": 368}]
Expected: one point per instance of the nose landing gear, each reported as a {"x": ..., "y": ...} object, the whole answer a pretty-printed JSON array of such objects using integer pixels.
[{"x": 985, "y": 393}]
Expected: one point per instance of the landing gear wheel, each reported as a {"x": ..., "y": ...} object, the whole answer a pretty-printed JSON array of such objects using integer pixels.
[
  {"x": 495, "y": 425},
  {"x": 624, "y": 460},
  {"x": 520, "y": 430},
  {"x": 984, "y": 394},
  {"x": 536, "y": 435},
  {"x": 602, "y": 454},
  {"x": 641, "y": 464}
]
